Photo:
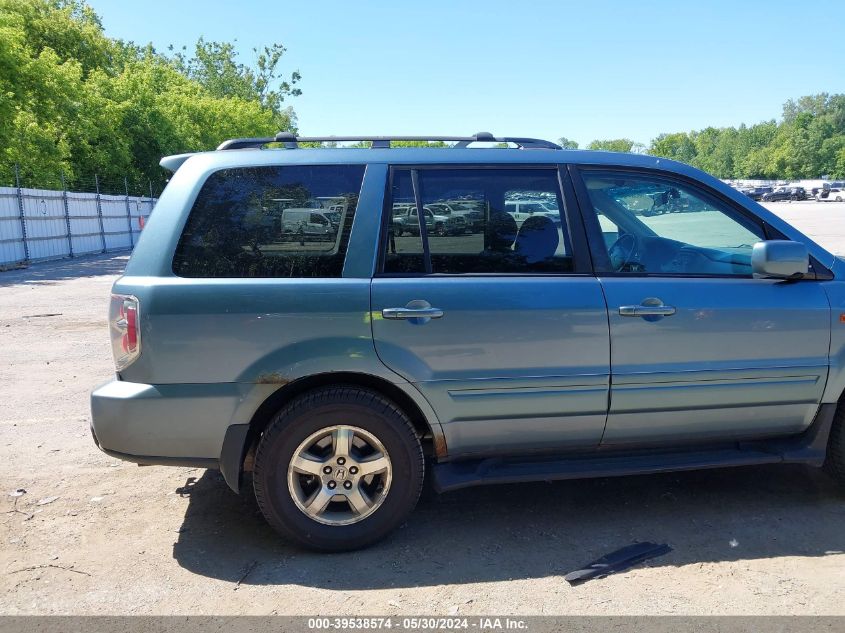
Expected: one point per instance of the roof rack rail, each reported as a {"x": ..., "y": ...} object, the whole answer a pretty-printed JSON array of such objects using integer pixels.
[{"x": 291, "y": 141}]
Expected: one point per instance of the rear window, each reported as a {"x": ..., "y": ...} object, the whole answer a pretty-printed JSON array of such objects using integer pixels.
[{"x": 279, "y": 221}]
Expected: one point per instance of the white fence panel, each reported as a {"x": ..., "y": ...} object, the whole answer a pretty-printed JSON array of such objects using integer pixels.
[
  {"x": 60, "y": 224},
  {"x": 84, "y": 223},
  {"x": 115, "y": 222},
  {"x": 11, "y": 237},
  {"x": 46, "y": 227}
]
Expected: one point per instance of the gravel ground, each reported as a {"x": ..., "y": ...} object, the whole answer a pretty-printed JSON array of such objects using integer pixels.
[{"x": 93, "y": 535}]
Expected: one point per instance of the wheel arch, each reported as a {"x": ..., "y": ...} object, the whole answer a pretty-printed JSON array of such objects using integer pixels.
[{"x": 241, "y": 440}]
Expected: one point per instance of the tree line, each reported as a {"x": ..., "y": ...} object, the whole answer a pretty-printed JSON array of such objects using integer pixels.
[
  {"x": 807, "y": 142},
  {"x": 76, "y": 102}
]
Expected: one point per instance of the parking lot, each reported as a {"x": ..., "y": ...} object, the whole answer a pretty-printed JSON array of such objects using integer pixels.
[{"x": 92, "y": 535}]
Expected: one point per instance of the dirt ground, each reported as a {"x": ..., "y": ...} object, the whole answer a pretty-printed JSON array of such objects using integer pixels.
[{"x": 93, "y": 535}]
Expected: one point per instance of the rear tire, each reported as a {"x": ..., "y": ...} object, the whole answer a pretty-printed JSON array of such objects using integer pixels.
[
  {"x": 834, "y": 462},
  {"x": 281, "y": 489}
]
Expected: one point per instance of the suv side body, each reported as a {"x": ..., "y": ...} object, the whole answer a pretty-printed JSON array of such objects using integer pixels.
[{"x": 221, "y": 355}]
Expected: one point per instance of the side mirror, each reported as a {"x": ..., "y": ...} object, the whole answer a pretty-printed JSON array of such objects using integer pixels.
[{"x": 779, "y": 259}]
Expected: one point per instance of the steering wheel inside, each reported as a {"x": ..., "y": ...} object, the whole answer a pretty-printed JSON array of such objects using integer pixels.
[{"x": 622, "y": 251}]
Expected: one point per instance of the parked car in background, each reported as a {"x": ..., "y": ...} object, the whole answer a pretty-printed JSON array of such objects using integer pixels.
[
  {"x": 756, "y": 193},
  {"x": 785, "y": 193},
  {"x": 521, "y": 210},
  {"x": 831, "y": 195},
  {"x": 474, "y": 220},
  {"x": 341, "y": 374},
  {"x": 473, "y": 212},
  {"x": 307, "y": 223},
  {"x": 405, "y": 221}
]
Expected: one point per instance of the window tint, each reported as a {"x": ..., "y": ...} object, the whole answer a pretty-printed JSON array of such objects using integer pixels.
[
  {"x": 654, "y": 225},
  {"x": 495, "y": 220},
  {"x": 404, "y": 248},
  {"x": 291, "y": 221}
]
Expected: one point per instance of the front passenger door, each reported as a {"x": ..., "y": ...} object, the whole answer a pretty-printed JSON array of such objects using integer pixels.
[{"x": 700, "y": 350}]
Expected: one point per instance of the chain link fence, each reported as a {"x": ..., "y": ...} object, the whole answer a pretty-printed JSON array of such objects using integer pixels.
[{"x": 58, "y": 221}]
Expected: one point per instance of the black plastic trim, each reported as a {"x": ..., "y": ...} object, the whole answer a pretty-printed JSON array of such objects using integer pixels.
[
  {"x": 291, "y": 141},
  {"x": 233, "y": 453},
  {"x": 581, "y": 252},
  {"x": 158, "y": 460},
  {"x": 808, "y": 447}
]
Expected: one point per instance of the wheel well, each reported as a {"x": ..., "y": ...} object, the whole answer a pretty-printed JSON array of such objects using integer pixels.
[{"x": 285, "y": 394}]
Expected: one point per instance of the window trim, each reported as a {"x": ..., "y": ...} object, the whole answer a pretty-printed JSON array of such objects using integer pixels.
[
  {"x": 598, "y": 250},
  {"x": 582, "y": 264}
]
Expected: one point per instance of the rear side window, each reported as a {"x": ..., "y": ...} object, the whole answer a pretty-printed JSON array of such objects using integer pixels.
[
  {"x": 476, "y": 221},
  {"x": 278, "y": 221}
]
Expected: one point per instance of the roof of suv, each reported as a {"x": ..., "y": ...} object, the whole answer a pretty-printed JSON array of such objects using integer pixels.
[{"x": 424, "y": 155}]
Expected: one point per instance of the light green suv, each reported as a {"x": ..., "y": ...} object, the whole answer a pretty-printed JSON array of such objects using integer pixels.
[{"x": 610, "y": 339}]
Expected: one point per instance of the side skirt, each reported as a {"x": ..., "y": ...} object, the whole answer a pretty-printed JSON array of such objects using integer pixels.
[{"x": 808, "y": 447}]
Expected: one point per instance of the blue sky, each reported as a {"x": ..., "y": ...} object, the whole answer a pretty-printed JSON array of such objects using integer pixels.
[{"x": 585, "y": 70}]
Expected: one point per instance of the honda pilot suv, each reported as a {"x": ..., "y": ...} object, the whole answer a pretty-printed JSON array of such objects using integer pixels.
[{"x": 614, "y": 339}]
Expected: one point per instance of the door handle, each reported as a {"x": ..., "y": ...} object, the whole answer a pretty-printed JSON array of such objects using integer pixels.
[
  {"x": 412, "y": 313},
  {"x": 640, "y": 311},
  {"x": 651, "y": 307}
]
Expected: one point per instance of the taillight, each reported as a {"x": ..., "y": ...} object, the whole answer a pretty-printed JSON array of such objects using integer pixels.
[{"x": 124, "y": 329}]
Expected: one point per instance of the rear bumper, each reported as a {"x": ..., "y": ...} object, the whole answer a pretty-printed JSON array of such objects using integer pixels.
[{"x": 179, "y": 425}]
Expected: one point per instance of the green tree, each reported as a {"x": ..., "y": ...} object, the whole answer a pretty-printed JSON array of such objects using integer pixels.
[
  {"x": 614, "y": 145},
  {"x": 75, "y": 101},
  {"x": 806, "y": 143},
  {"x": 216, "y": 68},
  {"x": 566, "y": 143},
  {"x": 677, "y": 146}
]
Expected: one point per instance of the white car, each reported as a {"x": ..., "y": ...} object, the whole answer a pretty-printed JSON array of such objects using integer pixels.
[
  {"x": 307, "y": 222},
  {"x": 831, "y": 195},
  {"x": 521, "y": 210}
]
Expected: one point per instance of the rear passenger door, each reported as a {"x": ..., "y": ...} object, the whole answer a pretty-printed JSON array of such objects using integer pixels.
[{"x": 505, "y": 330}]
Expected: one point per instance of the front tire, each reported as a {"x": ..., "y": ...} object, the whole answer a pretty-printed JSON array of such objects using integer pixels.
[{"x": 338, "y": 469}]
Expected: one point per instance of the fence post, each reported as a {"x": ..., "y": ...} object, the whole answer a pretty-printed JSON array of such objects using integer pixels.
[
  {"x": 100, "y": 212},
  {"x": 22, "y": 213},
  {"x": 67, "y": 216},
  {"x": 128, "y": 212},
  {"x": 151, "y": 197}
]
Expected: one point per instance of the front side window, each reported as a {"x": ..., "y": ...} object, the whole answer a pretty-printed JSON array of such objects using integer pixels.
[
  {"x": 654, "y": 225},
  {"x": 496, "y": 220},
  {"x": 279, "y": 221}
]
